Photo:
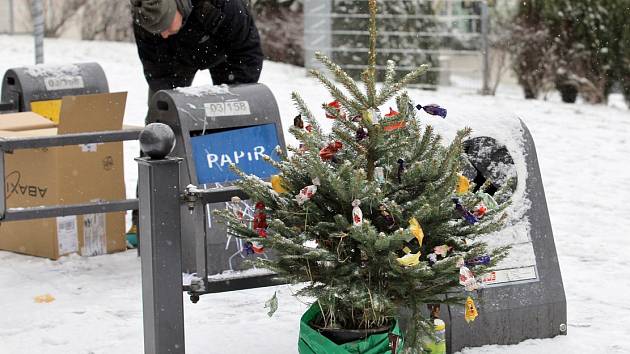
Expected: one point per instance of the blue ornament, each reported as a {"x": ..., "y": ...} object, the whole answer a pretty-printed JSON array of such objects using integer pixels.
[
  {"x": 463, "y": 212},
  {"x": 433, "y": 109},
  {"x": 481, "y": 260}
]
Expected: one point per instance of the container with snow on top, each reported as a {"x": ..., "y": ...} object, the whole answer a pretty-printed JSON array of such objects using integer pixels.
[
  {"x": 39, "y": 88},
  {"x": 215, "y": 127}
]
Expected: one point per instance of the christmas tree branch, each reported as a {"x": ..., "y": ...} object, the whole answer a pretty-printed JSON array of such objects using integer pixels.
[
  {"x": 304, "y": 111},
  {"x": 335, "y": 92},
  {"x": 342, "y": 77},
  {"x": 390, "y": 74},
  {"x": 389, "y": 92}
]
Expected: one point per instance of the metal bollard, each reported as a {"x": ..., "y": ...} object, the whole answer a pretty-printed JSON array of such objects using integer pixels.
[{"x": 161, "y": 252}]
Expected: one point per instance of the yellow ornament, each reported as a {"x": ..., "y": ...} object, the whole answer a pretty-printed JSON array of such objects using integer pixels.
[
  {"x": 471, "y": 310},
  {"x": 416, "y": 230},
  {"x": 409, "y": 260},
  {"x": 276, "y": 184},
  {"x": 371, "y": 115},
  {"x": 463, "y": 185}
]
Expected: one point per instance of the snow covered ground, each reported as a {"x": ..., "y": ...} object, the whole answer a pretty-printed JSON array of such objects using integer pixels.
[{"x": 583, "y": 151}]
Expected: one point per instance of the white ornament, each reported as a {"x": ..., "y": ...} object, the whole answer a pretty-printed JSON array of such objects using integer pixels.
[
  {"x": 357, "y": 214},
  {"x": 307, "y": 192},
  {"x": 467, "y": 279},
  {"x": 379, "y": 174}
]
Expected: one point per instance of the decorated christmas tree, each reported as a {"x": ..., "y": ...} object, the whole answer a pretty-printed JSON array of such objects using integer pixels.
[{"x": 374, "y": 216}]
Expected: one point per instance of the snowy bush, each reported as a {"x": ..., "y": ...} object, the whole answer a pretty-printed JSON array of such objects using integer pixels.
[
  {"x": 572, "y": 45},
  {"x": 281, "y": 27},
  {"x": 532, "y": 48}
]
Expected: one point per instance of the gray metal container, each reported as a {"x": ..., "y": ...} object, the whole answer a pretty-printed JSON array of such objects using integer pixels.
[
  {"x": 21, "y": 86},
  {"x": 192, "y": 112}
]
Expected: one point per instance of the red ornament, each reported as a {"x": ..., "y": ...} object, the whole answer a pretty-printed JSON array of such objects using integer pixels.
[
  {"x": 480, "y": 210},
  {"x": 262, "y": 233},
  {"x": 329, "y": 151},
  {"x": 309, "y": 128},
  {"x": 389, "y": 126},
  {"x": 391, "y": 113},
  {"x": 259, "y": 222},
  {"x": 394, "y": 126},
  {"x": 336, "y": 106},
  {"x": 257, "y": 248}
]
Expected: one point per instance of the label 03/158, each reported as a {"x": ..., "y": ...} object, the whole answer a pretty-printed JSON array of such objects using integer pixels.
[
  {"x": 63, "y": 83},
  {"x": 230, "y": 108}
]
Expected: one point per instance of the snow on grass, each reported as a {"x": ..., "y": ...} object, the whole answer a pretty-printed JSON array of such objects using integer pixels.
[{"x": 583, "y": 152}]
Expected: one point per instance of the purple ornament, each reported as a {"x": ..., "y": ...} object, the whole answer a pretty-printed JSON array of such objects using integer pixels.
[
  {"x": 464, "y": 213},
  {"x": 401, "y": 168},
  {"x": 481, "y": 260},
  {"x": 433, "y": 109},
  {"x": 362, "y": 133},
  {"x": 249, "y": 248}
]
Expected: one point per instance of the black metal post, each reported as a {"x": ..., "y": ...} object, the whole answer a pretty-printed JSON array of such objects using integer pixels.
[{"x": 160, "y": 255}]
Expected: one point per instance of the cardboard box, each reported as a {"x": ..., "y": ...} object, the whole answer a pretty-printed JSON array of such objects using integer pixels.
[
  {"x": 66, "y": 175},
  {"x": 23, "y": 121}
]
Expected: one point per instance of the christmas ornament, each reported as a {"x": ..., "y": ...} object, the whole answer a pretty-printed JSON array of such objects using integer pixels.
[
  {"x": 257, "y": 248},
  {"x": 392, "y": 124},
  {"x": 260, "y": 218},
  {"x": 262, "y": 233},
  {"x": 416, "y": 230},
  {"x": 433, "y": 110},
  {"x": 432, "y": 257},
  {"x": 464, "y": 213},
  {"x": 471, "y": 310},
  {"x": 248, "y": 248},
  {"x": 391, "y": 113},
  {"x": 401, "y": 169},
  {"x": 357, "y": 214},
  {"x": 276, "y": 184},
  {"x": 335, "y": 106},
  {"x": 372, "y": 116},
  {"x": 328, "y": 153},
  {"x": 387, "y": 217},
  {"x": 379, "y": 174},
  {"x": 463, "y": 185},
  {"x": 309, "y": 128},
  {"x": 467, "y": 279},
  {"x": 362, "y": 133},
  {"x": 481, "y": 260},
  {"x": 409, "y": 260},
  {"x": 487, "y": 200},
  {"x": 442, "y": 250},
  {"x": 364, "y": 259},
  {"x": 236, "y": 208},
  {"x": 480, "y": 210},
  {"x": 307, "y": 192},
  {"x": 298, "y": 122}
]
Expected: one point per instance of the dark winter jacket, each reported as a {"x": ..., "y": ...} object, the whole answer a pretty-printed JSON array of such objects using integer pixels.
[{"x": 219, "y": 35}]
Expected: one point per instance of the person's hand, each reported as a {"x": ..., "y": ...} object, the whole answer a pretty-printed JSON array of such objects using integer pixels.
[{"x": 175, "y": 26}]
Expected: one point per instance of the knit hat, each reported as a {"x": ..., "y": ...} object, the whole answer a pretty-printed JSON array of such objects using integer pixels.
[{"x": 154, "y": 16}]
